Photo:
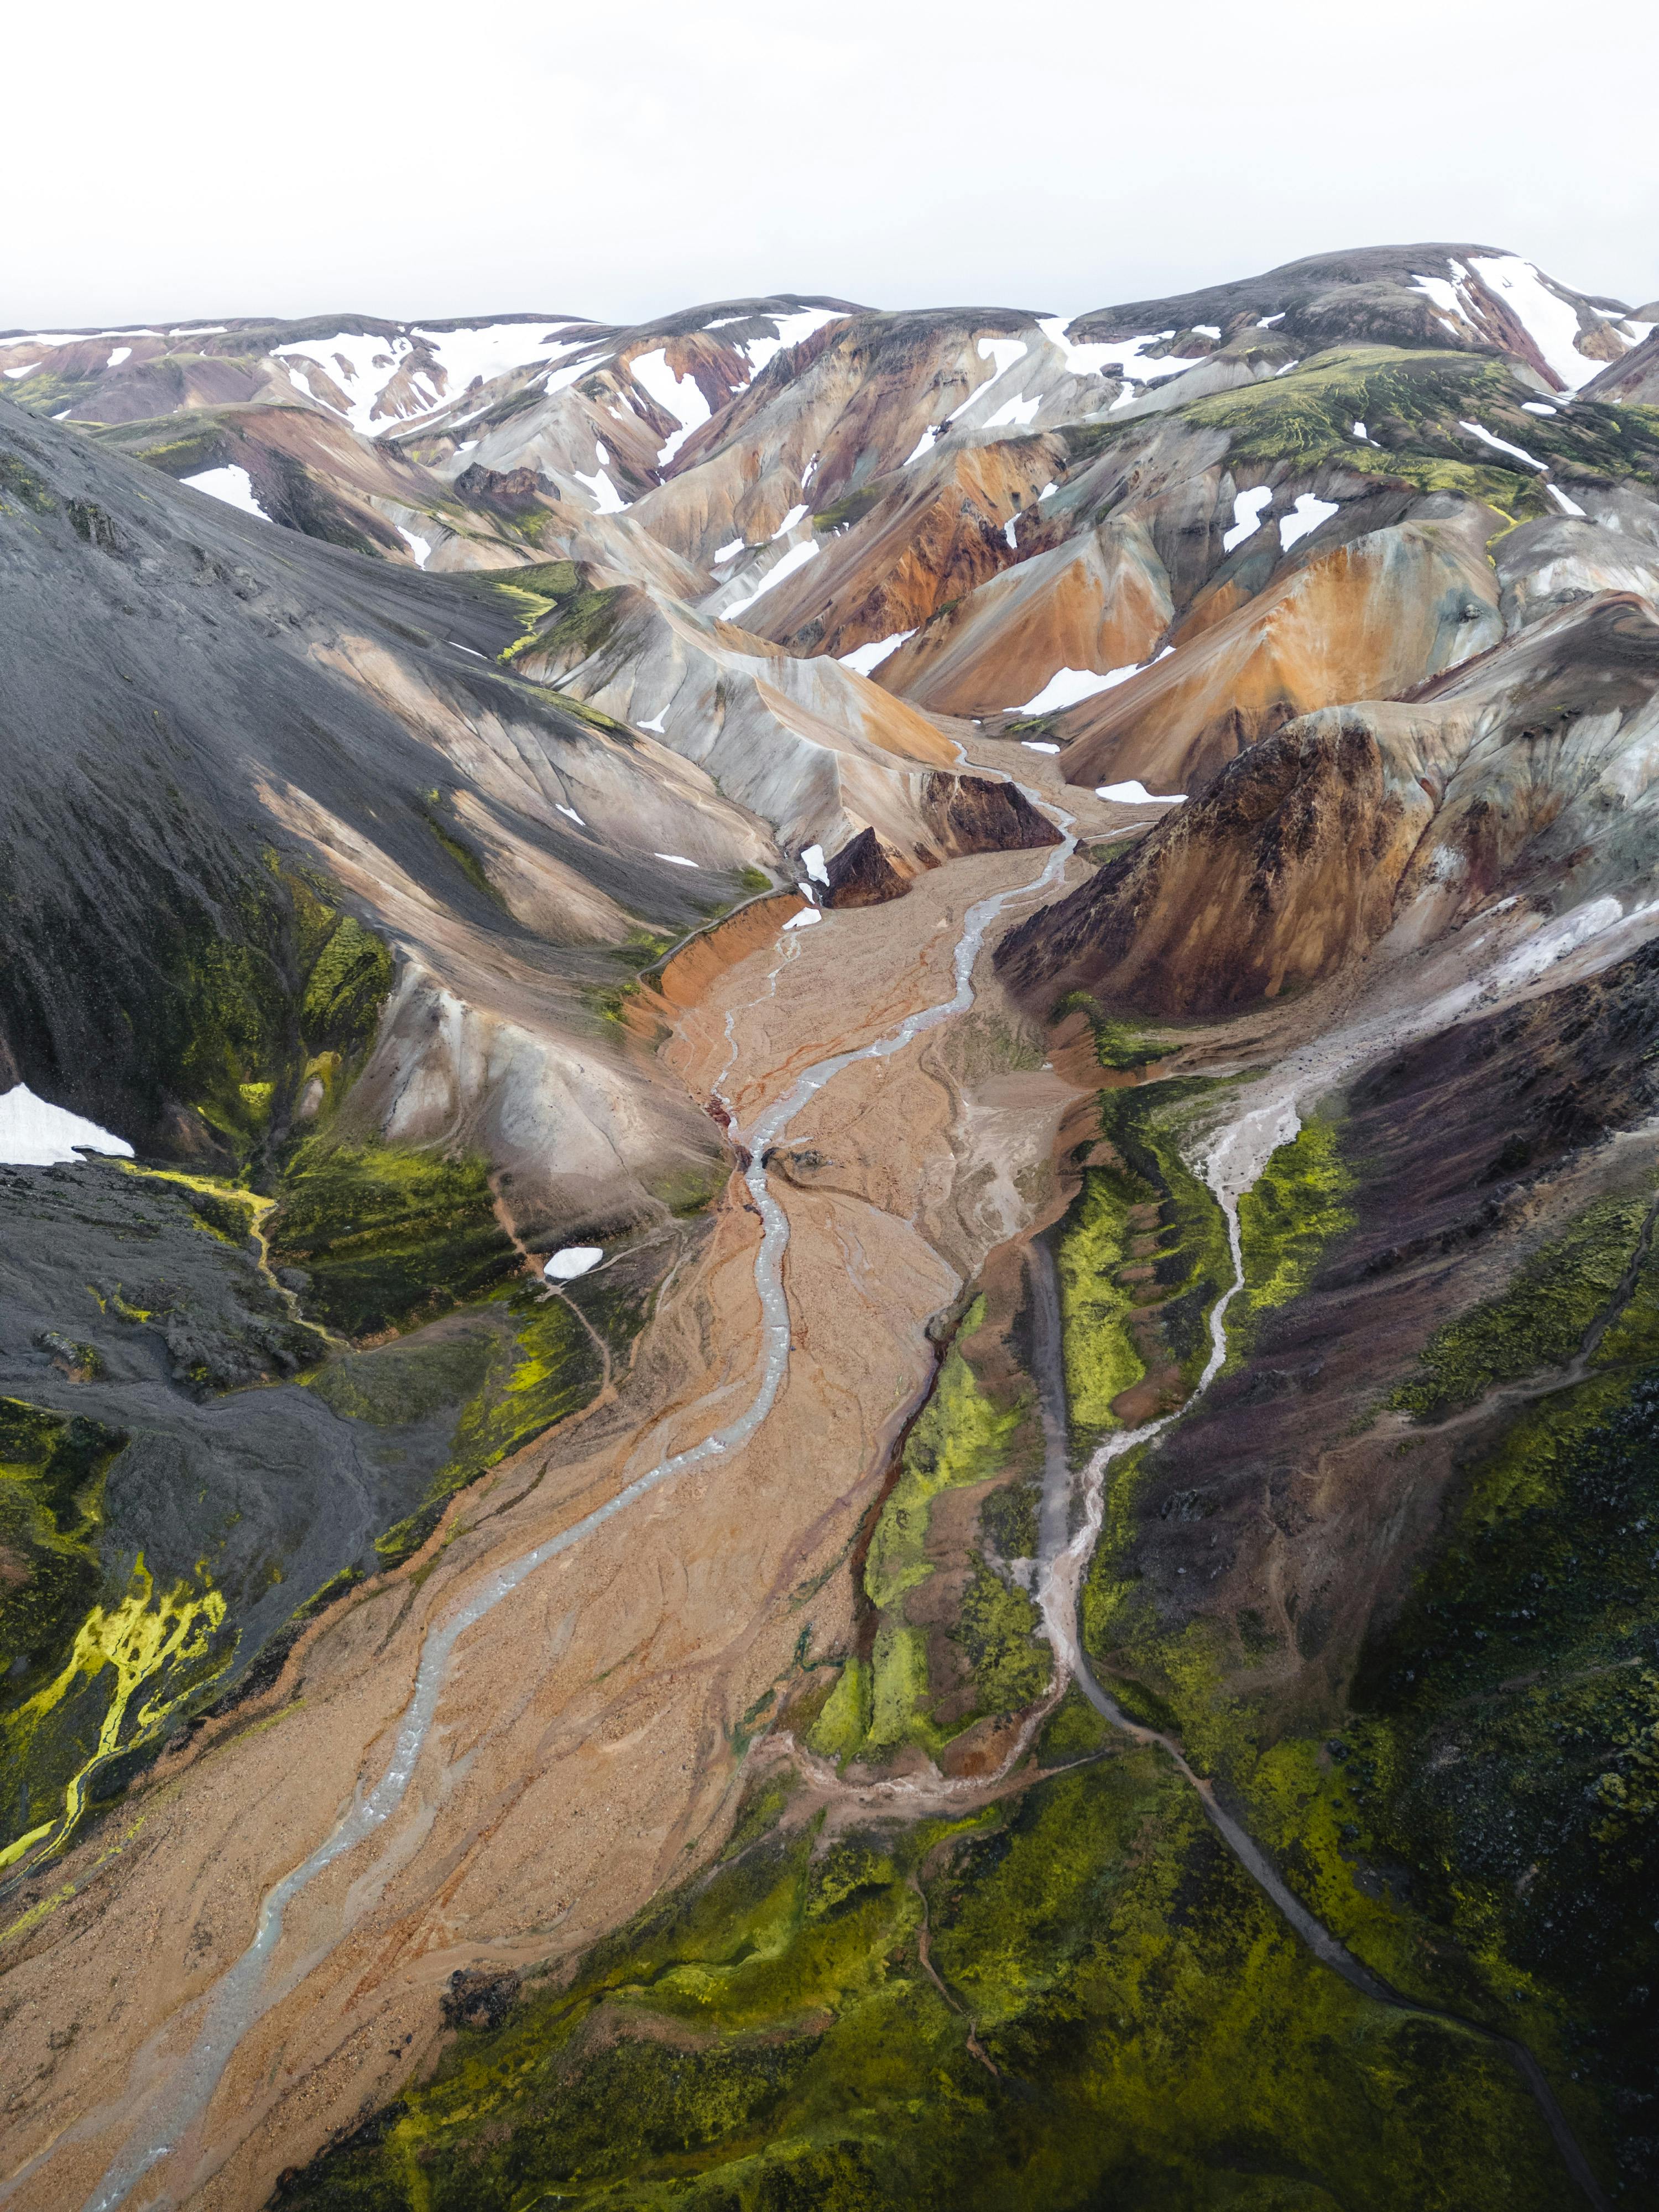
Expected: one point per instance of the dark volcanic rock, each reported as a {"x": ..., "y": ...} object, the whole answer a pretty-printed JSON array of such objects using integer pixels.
[
  {"x": 972, "y": 814},
  {"x": 863, "y": 873},
  {"x": 477, "y": 1998},
  {"x": 1289, "y": 861},
  {"x": 968, "y": 814}
]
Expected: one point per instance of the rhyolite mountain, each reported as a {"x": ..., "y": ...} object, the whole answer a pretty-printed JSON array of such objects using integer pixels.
[{"x": 455, "y": 772}]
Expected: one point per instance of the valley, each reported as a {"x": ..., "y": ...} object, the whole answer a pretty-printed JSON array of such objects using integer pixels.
[{"x": 855, "y": 1404}]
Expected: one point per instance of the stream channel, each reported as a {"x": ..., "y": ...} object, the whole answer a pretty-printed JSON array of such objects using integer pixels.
[{"x": 1234, "y": 1159}]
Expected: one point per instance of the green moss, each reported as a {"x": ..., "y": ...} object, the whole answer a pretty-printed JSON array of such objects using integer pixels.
[
  {"x": 1147, "y": 1125},
  {"x": 851, "y": 508},
  {"x": 691, "y": 1190},
  {"x": 1482, "y": 1832},
  {"x": 1294, "y": 1210},
  {"x": 51, "y": 1476},
  {"x": 465, "y": 858},
  {"x": 580, "y": 624},
  {"x": 541, "y": 1367},
  {"x": 768, "y": 2038},
  {"x": 1101, "y": 1357},
  {"x": 1146, "y": 1234},
  {"x": 1008, "y": 1519},
  {"x": 133, "y": 1662},
  {"x": 350, "y": 976},
  {"x": 1541, "y": 1319},
  {"x": 250, "y": 996},
  {"x": 397, "y": 1384},
  {"x": 19, "y": 481},
  {"x": 1413, "y": 402},
  {"x": 961, "y": 1436},
  {"x": 1118, "y": 1045},
  {"x": 996, "y": 1628},
  {"x": 388, "y": 1236},
  {"x": 898, "y": 1686},
  {"x": 841, "y": 1729}
]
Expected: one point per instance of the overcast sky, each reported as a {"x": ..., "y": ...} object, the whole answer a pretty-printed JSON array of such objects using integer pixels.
[{"x": 613, "y": 160}]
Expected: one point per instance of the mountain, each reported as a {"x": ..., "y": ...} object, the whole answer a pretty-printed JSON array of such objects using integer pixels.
[{"x": 827, "y": 1269}]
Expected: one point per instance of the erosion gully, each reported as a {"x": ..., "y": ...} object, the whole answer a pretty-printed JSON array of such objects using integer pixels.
[{"x": 1233, "y": 1160}]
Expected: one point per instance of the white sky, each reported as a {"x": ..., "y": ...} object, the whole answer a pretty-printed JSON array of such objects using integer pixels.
[{"x": 616, "y": 161}]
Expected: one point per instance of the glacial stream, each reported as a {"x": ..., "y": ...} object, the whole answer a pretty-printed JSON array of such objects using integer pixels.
[
  {"x": 239, "y": 1997},
  {"x": 1231, "y": 1161}
]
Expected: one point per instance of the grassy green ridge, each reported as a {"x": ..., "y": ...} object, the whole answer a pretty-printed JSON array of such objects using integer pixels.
[
  {"x": 1481, "y": 1829},
  {"x": 1540, "y": 1319},
  {"x": 769, "y": 2039},
  {"x": 1189, "y": 1265},
  {"x": 963, "y": 1437},
  {"x": 1294, "y": 1211},
  {"x": 389, "y": 1236}
]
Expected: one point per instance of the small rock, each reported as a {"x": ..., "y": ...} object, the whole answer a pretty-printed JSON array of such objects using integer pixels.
[{"x": 477, "y": 1998}]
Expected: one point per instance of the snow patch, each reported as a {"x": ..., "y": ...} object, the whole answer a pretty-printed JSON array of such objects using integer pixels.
[
  {"x": 1555, "y": 939},
  {"x": 1067, "y": 685},
  {"x": 1123, "y": 355},
  {"x": 27, "y": 370},
  {"x": 792, "y": 331},
  {"x": 813, "y": 861},
  {"x": 1018, "y": 412},
  {"x": 796, "y": 557},
  {"x": 1248, "y": 509},
  {"x": 1549, "y": 321},
  {"x": 724, "y": 553},
  {"x": 804, "y": 919},
  {"x": 1008, "y": 531},
  {"x": 655, "y": 725},
  {"x": 796, "y": 514},
  {"x": 1538, "y": 407},
  {"x": 677, "y": 859},
  {"x": 1271, "y": 322},
  {"x": 1308, "y": 513},
  {"x": 418, "y": 546},
  {"x": 232, "y": 485},
  {"x": 677, "y": 396},
  {"x": 923, "y": 445},
  {"x": 1443, "y": 295},
  {"x": 606, "y": 498},
  {"x": 574, "y": 1259},
  {"x": 1567, "y": 505},
  {"x": 1038, "y": 745},
  {"x": 1503, "y": 446},
  {"x": 35, "y": 1134},
  {"x": 561, "y": 808},
  {"x": 120, "y": 355},
  {"x": 472, "y": 649},
  {"x": 865, "y": 660},
  {"x": 1135, "y": 793}
]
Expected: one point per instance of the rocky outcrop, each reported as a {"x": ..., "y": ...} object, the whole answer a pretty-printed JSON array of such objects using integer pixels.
[
  {"x": 973, "y": 814},
  {"x": 1287, "y": 865},
  {"x": 1531, "y": 775},
  {"x": 966, "y": 814},
  {"x": 865, "y": 872}
]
